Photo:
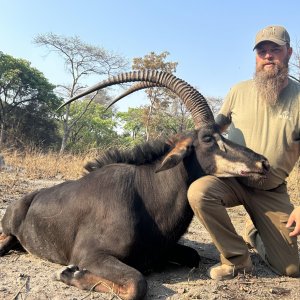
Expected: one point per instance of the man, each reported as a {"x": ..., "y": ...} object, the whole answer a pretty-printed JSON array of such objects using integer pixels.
[{"x": 264, "y": 116}]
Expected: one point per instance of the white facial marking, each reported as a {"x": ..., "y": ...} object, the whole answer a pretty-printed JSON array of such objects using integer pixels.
[{"x": 227, "y": 168}]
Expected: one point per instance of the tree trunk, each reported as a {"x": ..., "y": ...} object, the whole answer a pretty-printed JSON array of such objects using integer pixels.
[
  {"x": 63, "y": 144},
  {"x": 1, "y": 135},
  {"x": 66, "y": 132}
]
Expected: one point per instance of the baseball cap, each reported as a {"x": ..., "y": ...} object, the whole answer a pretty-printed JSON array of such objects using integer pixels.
[{"x": 276, "y": 34}]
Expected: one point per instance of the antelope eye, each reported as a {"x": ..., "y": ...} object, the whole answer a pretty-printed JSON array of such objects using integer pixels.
[{"x": 207, "y": 139}]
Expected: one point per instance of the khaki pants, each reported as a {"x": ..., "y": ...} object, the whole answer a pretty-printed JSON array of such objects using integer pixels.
[{"x": 269, "y": 210}]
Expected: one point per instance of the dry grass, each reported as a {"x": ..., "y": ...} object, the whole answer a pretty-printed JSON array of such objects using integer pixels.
[
  {"x": 38, "y": 165},
  {"x": 27, "y": 171}
]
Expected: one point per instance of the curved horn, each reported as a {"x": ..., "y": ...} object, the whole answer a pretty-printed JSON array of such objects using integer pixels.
[
  {"x": 193, "y": 100},
  {"x": 134, "y": 88}
]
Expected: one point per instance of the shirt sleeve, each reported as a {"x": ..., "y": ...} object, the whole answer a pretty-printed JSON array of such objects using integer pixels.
[{"x": 223, "y": 118}]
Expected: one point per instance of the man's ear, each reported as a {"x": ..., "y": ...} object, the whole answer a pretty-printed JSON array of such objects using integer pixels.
[
  {"x": 182, "y": 149},
  {"x": 290, "y": 51}
]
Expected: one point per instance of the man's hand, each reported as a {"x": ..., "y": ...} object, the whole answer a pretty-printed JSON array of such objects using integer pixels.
[{"x": 294, "y": 218}]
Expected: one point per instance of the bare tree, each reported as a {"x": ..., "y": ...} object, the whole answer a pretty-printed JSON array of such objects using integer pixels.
[
  {"x": 215, "y": 104},
  {"x": 295, "y": 62},
  {"x": 81, "y": 60}
]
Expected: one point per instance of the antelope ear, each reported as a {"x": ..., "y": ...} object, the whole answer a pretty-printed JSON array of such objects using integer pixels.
[{"x": 182, "y": 149}]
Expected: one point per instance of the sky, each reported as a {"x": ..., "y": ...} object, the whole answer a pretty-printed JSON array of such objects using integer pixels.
[{"x": 212, "y": 40}]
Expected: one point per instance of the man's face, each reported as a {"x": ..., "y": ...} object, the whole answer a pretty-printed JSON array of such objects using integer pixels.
[
  {"x": 270, "y": 57},
  {"x": 271, "y": 70}
]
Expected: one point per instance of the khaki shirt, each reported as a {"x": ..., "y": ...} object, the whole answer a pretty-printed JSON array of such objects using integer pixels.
[{"x": 271, "y": 131}]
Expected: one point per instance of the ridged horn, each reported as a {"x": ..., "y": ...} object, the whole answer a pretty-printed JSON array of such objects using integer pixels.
[
  {"x": 134, "y": 88},
  {"x": 193, "y": 100}
]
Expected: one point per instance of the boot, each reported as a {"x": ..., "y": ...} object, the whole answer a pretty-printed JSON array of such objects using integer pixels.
[{"x": 223, "y": 272}]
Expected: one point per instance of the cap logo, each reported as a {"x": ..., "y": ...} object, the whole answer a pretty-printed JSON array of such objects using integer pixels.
[{"x": 269, "y": 31}]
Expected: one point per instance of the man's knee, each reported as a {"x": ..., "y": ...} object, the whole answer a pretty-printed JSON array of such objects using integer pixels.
[
  {"x": 199, "y": 191},
  {"x": 281, "y": 259},
  {"x": 205, "y": 191},
  {"x": 291, "y": 270},
  {"x": 286, "y": 266},
  {"x": 281, "y": 249}
]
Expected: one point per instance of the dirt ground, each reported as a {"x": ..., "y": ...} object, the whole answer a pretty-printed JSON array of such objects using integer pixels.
[{"x": 23, "y": 276}]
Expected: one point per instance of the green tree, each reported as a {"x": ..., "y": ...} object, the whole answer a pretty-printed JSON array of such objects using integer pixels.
[
  {"x": 23, "y": 87},
  {"x": 96, "y": 128},
  {"x": 29, "y": 125},
  {"x": 132, "y": 125},
  {"x": 174, "y": 119},
  {"x": 159, "y": 97},
  {"x": 81, "y": 60}
]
